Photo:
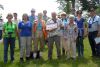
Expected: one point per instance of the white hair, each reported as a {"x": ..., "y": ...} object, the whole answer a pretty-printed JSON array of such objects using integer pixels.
[{"x": 71, "y": 16}]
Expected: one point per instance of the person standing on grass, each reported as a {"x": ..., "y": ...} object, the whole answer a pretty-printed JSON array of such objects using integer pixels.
[
  {"x": 81, "y": 28},
  {"x": 64, "y": 24},
  {"x": 32, "y": 18},
  {"x": 53, "y": 35},
  {"x": 9, "y": 35},
  {"x": 93, "y": 30},
  {"x": 72, "y": 33},
  {"x": 39, "y": 30},
  {"x": 25, "y": 30},
  {"x": 16, "y": 20}
]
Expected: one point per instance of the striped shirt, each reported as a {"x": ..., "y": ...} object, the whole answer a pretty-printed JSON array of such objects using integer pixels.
[{"x": 57, "y": 31}]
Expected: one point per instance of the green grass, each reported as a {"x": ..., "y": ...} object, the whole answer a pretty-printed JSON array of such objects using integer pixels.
[{"x": 87, "y": 61}]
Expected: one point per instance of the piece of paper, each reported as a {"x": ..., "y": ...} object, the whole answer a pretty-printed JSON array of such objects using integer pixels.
[
  {"x": 97, "y": 40},
  {"x": 51, "y": 26}
]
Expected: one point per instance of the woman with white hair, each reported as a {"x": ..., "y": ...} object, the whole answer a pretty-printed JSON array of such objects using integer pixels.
[{"x": 71, "y": 38}]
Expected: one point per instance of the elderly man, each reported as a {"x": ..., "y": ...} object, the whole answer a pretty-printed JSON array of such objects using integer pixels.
[
  {"x": 53, "y": 27},
  {"x": 93, "y": 30}
]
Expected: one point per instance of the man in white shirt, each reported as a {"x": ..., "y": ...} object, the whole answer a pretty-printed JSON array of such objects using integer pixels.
[
  {"x": 93, "y": 30},
  {"x": 53, "y": 35}
]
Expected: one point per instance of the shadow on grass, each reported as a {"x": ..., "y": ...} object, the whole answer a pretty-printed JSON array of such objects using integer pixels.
[
  {"x": 52, "y": 63},
  {"x": 96, "y": 60}
]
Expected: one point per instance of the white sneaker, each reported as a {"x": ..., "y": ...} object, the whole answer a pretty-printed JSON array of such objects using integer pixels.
[
  {"x": 34, "y": 55},
  {"x": 40, "y": 54}
]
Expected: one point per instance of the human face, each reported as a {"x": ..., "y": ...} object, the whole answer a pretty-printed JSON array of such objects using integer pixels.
[
  {"x": 32, "y": 13},
  {"x": 44, "y": 12},
  {"x": 15, "y": 15},
  {"x": 71, "y": 20},
  {"x": 53, "y": 15},
  {"x": 9, "y": 17},
  {"x": 40, "y": 16},
  {"x": 63, "y": 16},
  {"x": 25, "y": 17},
  {"x": 92, "y": 13}
]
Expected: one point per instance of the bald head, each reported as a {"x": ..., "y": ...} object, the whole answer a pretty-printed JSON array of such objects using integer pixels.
[{"x": 53, "y": 14}]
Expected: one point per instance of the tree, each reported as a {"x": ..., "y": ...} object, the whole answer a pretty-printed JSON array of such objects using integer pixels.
[
  {"x": 86, "y": 4},
  {"x": 65, "y": 5}
]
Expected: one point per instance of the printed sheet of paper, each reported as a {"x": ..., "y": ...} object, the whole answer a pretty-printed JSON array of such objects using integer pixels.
[
  {"x": 51, "y": 26},
  {"x": 97, "y": 40}
]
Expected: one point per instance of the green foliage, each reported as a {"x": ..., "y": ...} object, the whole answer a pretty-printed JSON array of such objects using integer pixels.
[{"x": 65, "y": 5}]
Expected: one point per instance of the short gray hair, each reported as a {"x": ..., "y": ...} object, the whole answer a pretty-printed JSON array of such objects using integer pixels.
[{"x": 71, "y": 16}]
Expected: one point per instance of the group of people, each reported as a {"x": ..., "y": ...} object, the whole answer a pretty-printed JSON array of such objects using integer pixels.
[{"x": 67, "y": 32}]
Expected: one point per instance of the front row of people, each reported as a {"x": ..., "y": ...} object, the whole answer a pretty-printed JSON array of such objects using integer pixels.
[{"x": 66, "y": 34}]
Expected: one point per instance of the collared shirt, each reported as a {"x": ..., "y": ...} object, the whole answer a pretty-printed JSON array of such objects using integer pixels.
[
  {"x": 93, "y": 23},
  {"x": 32, "y": 19},
  {"x": 57, "y": 31}
]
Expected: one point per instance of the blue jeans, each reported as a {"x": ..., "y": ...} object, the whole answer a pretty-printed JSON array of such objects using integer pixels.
[
  {"x": 80, "y": 46},
  {"x": 0, "y": 34},
  {"x": 7, "y": 42},
  {"x": 91, "y": 37}
]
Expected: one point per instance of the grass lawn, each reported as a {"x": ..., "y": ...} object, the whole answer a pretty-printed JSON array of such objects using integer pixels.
[{"x": 87, "y": 61}]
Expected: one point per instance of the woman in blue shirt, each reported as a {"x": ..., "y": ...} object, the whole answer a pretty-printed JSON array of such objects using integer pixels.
[
  {"x": 80, "y": 23},
  {"x": 25, "y": 28}
]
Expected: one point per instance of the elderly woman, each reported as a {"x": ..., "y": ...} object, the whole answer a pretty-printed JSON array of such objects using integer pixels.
[
  {"x": 25, "y": 30},
  {"x": 9, "y": 35},
  {"x": 39, "y": 29},
  {"x": 63, "y": 30},
  {"x": 71, "y": 38}
]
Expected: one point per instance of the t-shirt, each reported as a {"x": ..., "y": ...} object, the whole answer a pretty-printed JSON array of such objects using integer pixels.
[
  {"x": 80, "y": 25},
  {"x": 25, "y": 28},
  {"x": 39, "y": 26},
  {"x": 9, "y": 29}
]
